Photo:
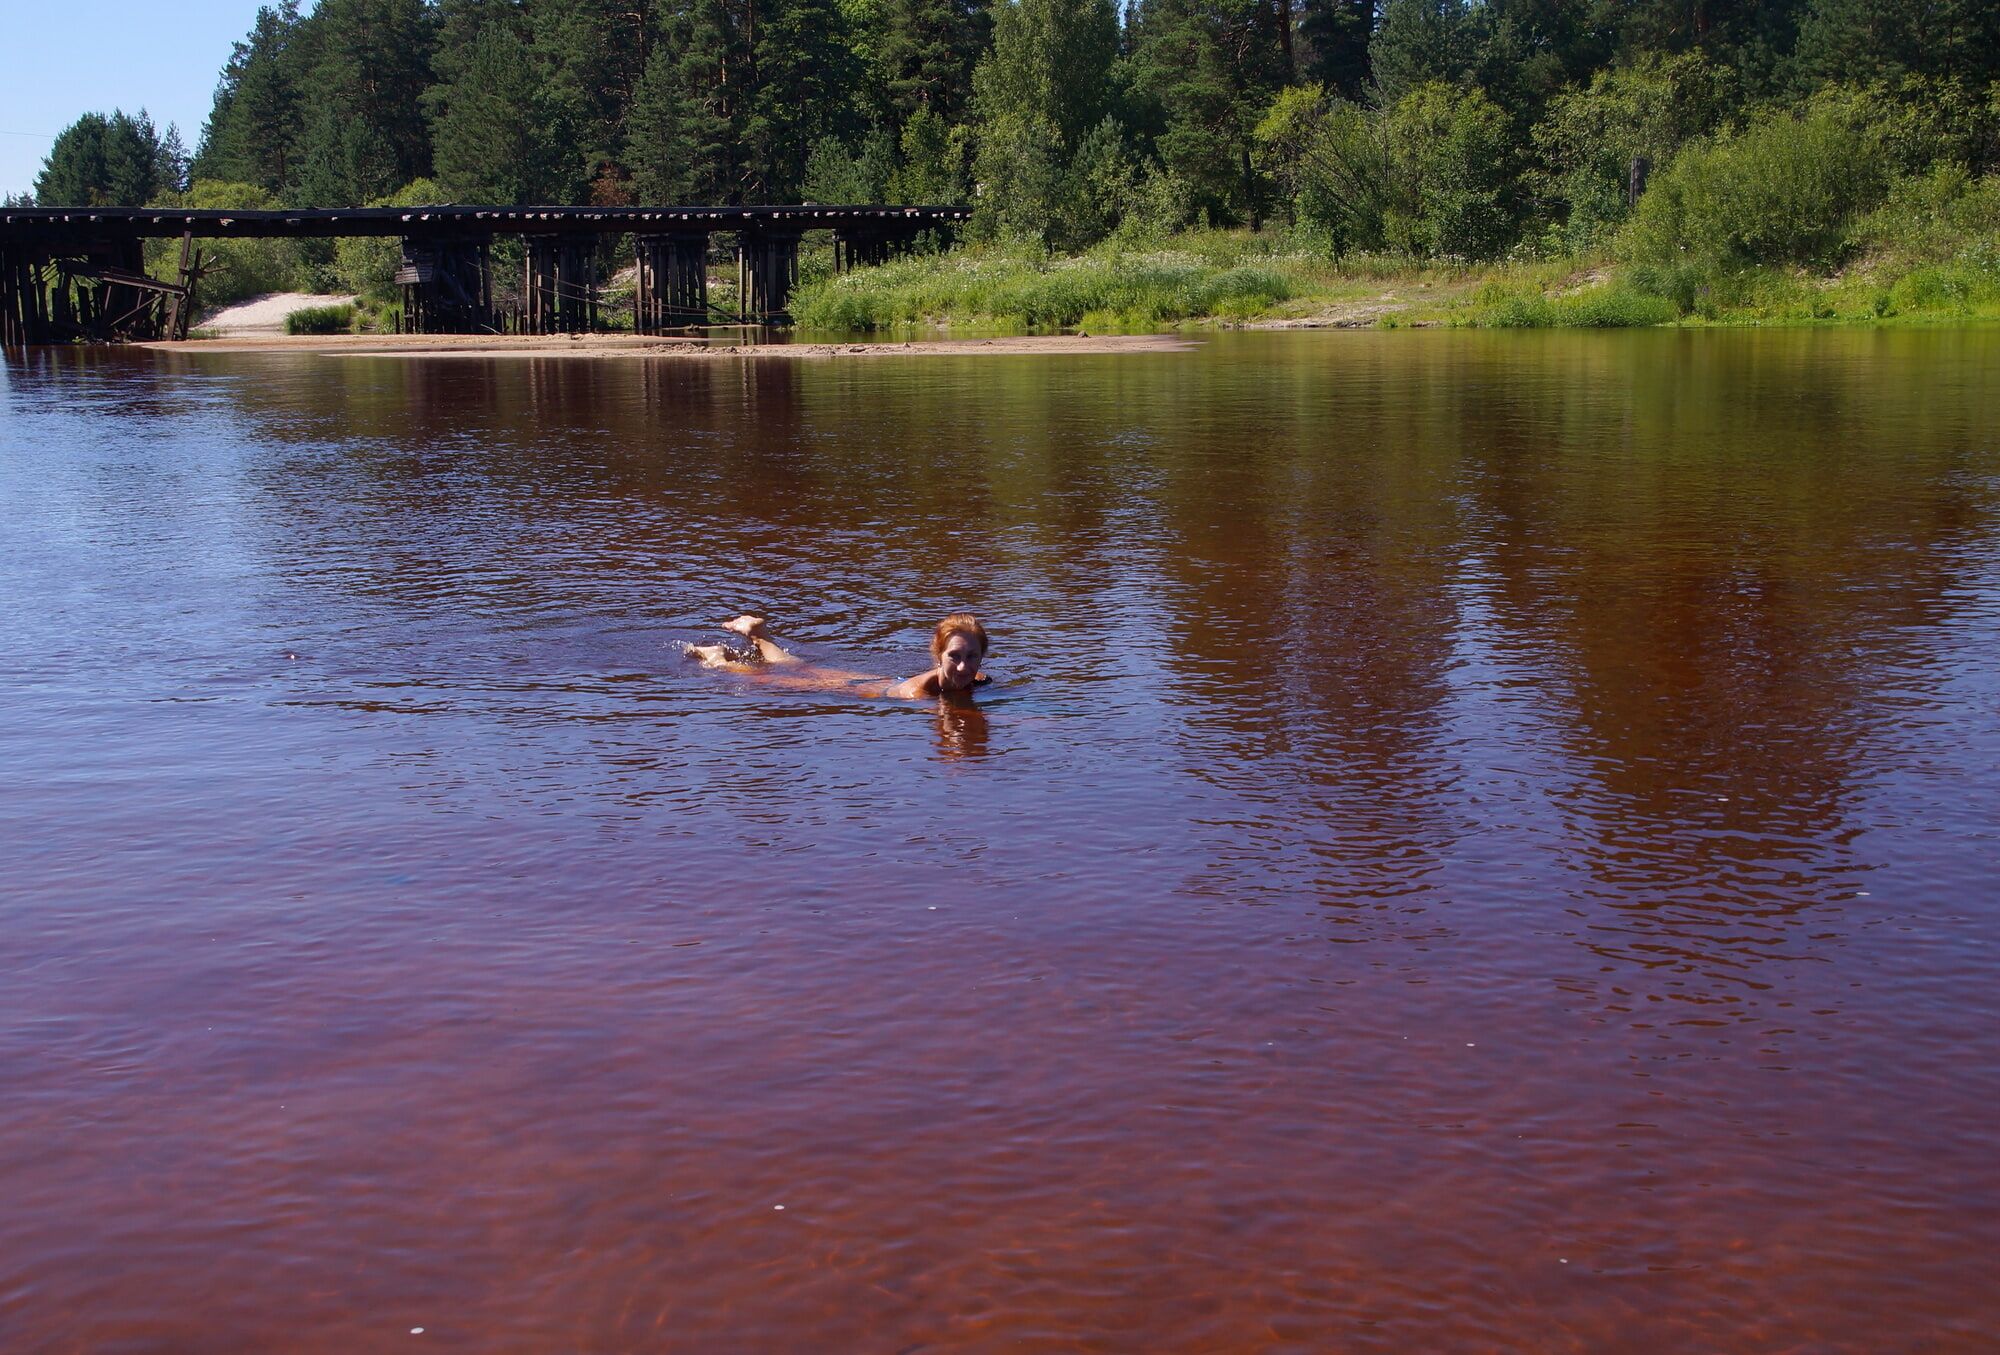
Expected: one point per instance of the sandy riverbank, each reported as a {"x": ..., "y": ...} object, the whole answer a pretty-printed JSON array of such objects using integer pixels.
[
  {"x": 647, "y": 346},
  {"x": 263, "y": 317}
]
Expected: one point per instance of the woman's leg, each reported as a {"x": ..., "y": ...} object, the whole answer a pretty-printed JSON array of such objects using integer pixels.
[
  {"x": 751, "y": 628},
  {"x": 793, "y": 671}
]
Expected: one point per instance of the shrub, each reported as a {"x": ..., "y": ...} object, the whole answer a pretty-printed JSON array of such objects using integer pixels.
[
  {"x": 1959, "y": 289},
  {"x": 1427, "y": 177},
  {"x": 1159, "y": 204},
  {"x": 320, "y": 320},
  {"x": 1933, "y": 215},
  {"x": 1616, "y": 308},
  {"x": 1590, "y": 136},
  {"x": 367, "y": 265},
  {"x": 235, "y": 268},
  {"x": 1452, "y": 150},
  {"x": 1785, "y": 191},
  {"x": 1676, "y": 283}
]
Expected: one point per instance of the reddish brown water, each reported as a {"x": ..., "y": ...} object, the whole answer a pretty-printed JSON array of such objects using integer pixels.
[{"x": 1479, "y": 843}]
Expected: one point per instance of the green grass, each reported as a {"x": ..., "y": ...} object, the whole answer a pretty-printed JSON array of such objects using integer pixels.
[
  {"x": 1208, "y": 277},
  {"x": 1496, "y": 305},
  {"x": 321, "y": 320},
  {"x": 377, "y": 315},
  {"x": 1234, "y": 277},
  {"x": 1109, "y": 292}
]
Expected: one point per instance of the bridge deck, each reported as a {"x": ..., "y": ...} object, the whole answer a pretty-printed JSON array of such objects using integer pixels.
[
  {"x": 43, "y": 224},
  {"x": 71, "y": 273}
]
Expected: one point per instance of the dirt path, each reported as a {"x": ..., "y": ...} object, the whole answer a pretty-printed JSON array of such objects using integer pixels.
[
  {"x": 265, "y": 315},
  {"x": 1340, "y": 315}
]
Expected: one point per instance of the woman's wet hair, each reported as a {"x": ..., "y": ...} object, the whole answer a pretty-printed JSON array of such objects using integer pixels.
[{"x": 958, "y": 623}]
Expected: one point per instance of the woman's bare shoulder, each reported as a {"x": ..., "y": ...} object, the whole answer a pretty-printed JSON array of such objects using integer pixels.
[{"x": 911, "y": 689}]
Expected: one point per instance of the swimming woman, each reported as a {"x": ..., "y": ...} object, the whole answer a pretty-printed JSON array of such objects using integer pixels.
[{"x": 958, "y": 644}]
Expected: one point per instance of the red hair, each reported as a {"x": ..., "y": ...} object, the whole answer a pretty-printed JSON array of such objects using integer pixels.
[{"x": 958, "y": 623}]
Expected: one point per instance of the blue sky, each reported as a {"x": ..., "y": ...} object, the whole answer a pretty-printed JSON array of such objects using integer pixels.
[{"x": 63, "y": 58}]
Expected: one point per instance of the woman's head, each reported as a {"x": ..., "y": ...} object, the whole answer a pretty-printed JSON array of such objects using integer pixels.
[{"x": 958, "y": 644}]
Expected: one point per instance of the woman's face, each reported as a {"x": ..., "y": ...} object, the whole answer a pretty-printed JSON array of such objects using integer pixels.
[{"x": 958, "y": 662}]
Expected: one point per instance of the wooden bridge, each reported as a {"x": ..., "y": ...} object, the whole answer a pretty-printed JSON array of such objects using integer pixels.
[{"x": 77, "y": 273}]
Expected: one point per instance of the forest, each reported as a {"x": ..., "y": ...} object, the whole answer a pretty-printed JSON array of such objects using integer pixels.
[{"x": 1686, "y": 139}]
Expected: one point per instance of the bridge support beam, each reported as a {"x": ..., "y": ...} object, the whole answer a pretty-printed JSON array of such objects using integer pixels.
[
  {"x": 767, "y": 261},
  {"x": 24, "y": 296},
  {"x": 673, "y": 281},
  {"x": 94, "y": 290},
  {"x": 868, "y": 243},
  {"x": 447, "y": 285},
  {"x": 559, "y": 285}
]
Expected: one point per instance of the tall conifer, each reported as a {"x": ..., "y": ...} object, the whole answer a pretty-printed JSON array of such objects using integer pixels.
[
  {"x": 807, "y": 75},
  {"x": 1419, "y": 41},
  {"x": 929, "y": 49},
  {"x": 364, "y": 134},
  {"x": 253, "y": 130},
  {"x": 1334, "y": 37},
  {"x": 1861, "y": 40},
  {"x": 486, "y": 141},
  {"x": 100, "y": 161},
  {"x": 684, "y": 131}
]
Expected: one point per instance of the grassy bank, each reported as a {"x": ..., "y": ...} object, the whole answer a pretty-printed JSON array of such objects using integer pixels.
[{"x": 1226, "y": 278}]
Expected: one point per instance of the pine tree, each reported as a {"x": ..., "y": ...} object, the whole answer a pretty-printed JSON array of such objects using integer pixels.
[
  {"x": 588, "y": 57},
  {"x": 1528, "y": 50},
  {"x": 684, "y": 128},
  {"x": 364, "y": 134},
  {"x": 929, "y": 49},
  {"x": 1200, "y": 75},
  {"x": 1861, "y": 40},
  {"x": 485, "y": 138},
  {"x": 458, "y": 24},
  {"x": 75, "y": 173},
  {"x": 253, "y": 130},
  {"x": 806, "y": 75},
  {"x": 1756, "y": 37},
  {"x": 170, "y": 162},
  {"x": 1183, "y": 97},
  {"x": 132, "y": 159},
  {"x": 100, "y": 161},
  {"x": 1335, "y": 35},
  {"x": 1419, "y": 41},
  {"x": 658, "y": 147}
]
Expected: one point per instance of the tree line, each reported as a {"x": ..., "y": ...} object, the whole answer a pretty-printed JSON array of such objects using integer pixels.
[{"x": 1455, "y": 128}]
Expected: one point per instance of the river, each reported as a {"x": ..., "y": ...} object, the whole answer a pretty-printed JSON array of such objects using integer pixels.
[{"x": 1475, "y": 841}]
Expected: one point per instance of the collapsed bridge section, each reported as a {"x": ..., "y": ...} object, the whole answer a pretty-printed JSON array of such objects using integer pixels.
[{"x": 71, "y": 274}]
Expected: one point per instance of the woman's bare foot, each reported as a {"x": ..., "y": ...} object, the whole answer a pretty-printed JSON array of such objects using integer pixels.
[{"x": 752, "y": 629}]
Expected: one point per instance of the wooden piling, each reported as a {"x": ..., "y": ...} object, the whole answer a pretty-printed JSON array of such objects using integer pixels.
[
  {"x": 447, "y": 285},
  {"x": 673, "y": 281},
  {"x": 769, "y": 269},
  {"x": 559, "y": 285}
]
